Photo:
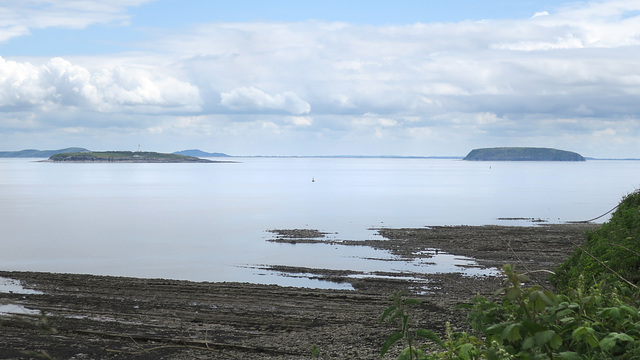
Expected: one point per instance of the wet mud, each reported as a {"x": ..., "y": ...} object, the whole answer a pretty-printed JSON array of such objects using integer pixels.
[{"x": 70, "y": 316}]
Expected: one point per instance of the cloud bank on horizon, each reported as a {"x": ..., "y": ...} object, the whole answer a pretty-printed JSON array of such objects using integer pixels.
[{"x": 104, "y": 76}]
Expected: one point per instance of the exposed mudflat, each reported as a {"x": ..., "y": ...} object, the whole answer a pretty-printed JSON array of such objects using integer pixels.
[{"x": 98, "y": 317}]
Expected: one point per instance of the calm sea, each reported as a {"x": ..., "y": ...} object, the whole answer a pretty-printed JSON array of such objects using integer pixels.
[{"x": 209, "y": 222}]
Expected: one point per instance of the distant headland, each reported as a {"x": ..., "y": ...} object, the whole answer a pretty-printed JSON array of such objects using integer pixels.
[
  {"x": 522, "y": 154},
  {"x": 200, "y": 153},
  {"x": 125, "y": 157},
  {"x": 33, "y": 153}
]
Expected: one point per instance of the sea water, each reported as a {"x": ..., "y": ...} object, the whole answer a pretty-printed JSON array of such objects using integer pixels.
[{"x": 209, "y": 222}]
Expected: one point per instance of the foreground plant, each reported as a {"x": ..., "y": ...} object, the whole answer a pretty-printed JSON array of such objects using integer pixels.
[
  {"x": 397, "y": 312},
  {"x": 595, "y": 316},
  {"x": 585, "y": 323},
  {"x": 611, "y": 252},
  {"x": 456, "y": 345},
  {"x": 530, "y": 323}
]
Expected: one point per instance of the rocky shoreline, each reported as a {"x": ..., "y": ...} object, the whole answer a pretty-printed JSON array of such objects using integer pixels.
[{"x": 66, "y": 316}]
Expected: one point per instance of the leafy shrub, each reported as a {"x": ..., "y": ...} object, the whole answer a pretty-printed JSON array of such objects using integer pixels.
[
  {"x": 531, "y": 323},
  {"x": 585, "y": 323},
  {"x": 594, "y": 316},
  {"x": 611, "y": 252}
]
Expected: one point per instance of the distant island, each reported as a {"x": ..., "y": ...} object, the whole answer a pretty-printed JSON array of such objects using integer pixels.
[
  {"x": 486, "y": 154},
  {"x": 125, "y": 157},
  {"x": 522, "y": 154},
  {"x": 33, "y": 153},
  {"x": 200, "y": 153}
]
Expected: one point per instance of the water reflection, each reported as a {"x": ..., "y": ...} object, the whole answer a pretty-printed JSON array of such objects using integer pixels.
[
  {"x": 200, "y": 222},
  {"x": 365, "y": 262},
  {"x": 11, "y": 286},
  {"x": 14, "y": 309}
]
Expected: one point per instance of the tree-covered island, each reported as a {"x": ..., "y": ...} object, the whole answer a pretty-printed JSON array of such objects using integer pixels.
[
  {"x": 522, "y": 154},
  {"x": 126, "y": 156}
]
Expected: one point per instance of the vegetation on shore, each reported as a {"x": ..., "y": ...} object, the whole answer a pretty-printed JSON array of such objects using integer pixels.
[
  {"x": 611, "y": 253},
  {"x": 522, "y": 154},
  {"x": 594, "y": 314},
  {"x": 124, "y": 156}
]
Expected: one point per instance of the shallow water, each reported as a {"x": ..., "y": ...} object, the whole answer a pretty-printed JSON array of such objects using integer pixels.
[
  {"x": 15, "y": 287},
  {"x": 208, "y": 222},
  {"x": 14, "y": 309}
]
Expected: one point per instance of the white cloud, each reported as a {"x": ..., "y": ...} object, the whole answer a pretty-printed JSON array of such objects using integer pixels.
[
  {"x": 18, "y": 17},
  {"x": 251, "y": 99},
  {"x": 596, "y": 24},
  {"x": 505, "y": 79},
  {"x": 608, "y": 132},
  {"x": 392, "y": 69},
  {"x": 420, "y": 133},
  {"x": 22, "y": 84},
  {"x": 374, "y": 120},
  {"x": 61, "y": 83},
  {"x": 301, "y": 120}
]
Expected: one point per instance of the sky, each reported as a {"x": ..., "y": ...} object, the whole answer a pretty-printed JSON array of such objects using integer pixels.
[{"x": 321, "y": 77}]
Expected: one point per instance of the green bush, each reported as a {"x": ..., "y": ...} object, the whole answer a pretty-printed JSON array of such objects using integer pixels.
[
  {"x": 611, "y": 252},
  {"x": 584, "y": 323},
  {"x": 594, "y": 316},
  {"x": 530, "y": 323}
]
